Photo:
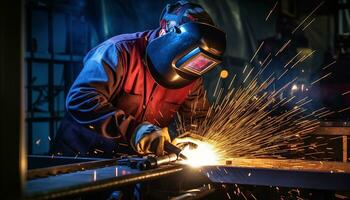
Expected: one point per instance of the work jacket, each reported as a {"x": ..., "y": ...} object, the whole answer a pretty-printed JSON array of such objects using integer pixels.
[{"x": 115, "y": 92}]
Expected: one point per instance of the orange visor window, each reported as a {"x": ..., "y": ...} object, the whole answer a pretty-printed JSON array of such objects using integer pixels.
[{"x": 199, "y": 64}]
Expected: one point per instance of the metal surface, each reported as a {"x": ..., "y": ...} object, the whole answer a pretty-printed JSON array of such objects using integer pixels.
[
  {"x": 80, "y": 182},
  {"x": 40, "y": 161},
  {"x": 265, "y": 172},
  {"x": 195, "y": 193},
  {"x": 336, "y": 129},
  {"x": 324, "y": 130},
  {"x": 67, "y": 168},
  {"x": 333, "y": 128},
  {"x": 285, "y": 173}
]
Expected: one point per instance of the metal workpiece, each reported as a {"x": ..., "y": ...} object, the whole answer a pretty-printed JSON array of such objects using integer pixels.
[
  {"x": 284, "y": 173},
  {"x": 197, "y": 193},
  {"x": 82, "y": 182},
  {"x": 81, "y": 164}
]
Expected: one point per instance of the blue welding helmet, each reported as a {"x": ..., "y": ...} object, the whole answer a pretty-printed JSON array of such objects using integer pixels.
[{"x": 185, "y": 53}]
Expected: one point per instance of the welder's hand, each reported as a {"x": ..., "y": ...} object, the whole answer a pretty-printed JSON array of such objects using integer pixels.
[{"x": 149, "y": 138}]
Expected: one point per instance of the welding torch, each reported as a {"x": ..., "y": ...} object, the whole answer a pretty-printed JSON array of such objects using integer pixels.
[
  {"x": 174, "y": 153},
  {"x": 151, "y": 162}
]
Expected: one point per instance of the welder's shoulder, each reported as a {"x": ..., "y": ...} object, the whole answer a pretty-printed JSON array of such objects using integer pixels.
[
  {"x": 126, "y": 42},
  {"x": 108, "y": 50}
]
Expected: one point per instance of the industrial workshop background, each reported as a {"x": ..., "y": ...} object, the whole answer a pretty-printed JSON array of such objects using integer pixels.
[{"x": 59, "y": 33}]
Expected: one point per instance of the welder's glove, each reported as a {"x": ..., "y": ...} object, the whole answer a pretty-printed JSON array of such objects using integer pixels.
[
  {"x": 188, "y": 138},
  {"x": 149, "y": 138}
]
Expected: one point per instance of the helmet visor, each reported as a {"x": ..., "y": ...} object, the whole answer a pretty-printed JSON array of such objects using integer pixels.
[{"x": 199, "y": 64}]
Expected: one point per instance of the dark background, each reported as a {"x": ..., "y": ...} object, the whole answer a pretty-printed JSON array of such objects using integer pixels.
[{"x": 60, "y": 32}]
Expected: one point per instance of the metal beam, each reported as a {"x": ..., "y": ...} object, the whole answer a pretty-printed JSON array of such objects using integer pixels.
[
  {"x": 284, "y": 173},
  {"x": 93, "y": 180}
]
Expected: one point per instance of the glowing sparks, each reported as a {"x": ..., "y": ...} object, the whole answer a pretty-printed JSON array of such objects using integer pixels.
[
  {"x": 283, "y": 47},
  {"x": 203, "y": 154},
  {"x": 345, "y": 93},
  {"x": 256, "y": 52},
  {"x": 345, "y": 109},
  {"x": 323, "y": 77},
  {"x": 254, "y": 118},
  {"x": 307, "y": 17},
  {"x": 271, "y": 11},
  {"x": 94, "y": 176},
  {"x": 307, "y": 25},
  {"x": 224, "y": 74},
  {"x": 330, "y": 64},
  {"x": 292, "y": 59}
]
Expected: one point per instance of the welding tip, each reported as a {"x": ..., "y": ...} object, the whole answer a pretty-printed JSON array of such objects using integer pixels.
[
  {"x": 155, "y": 161},
  {"x": 170, "y": 148}
]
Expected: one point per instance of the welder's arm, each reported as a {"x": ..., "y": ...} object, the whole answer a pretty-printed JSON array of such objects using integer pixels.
[
  {"x": 88, "y": 100},
  {"x": 195, "y": 107}
]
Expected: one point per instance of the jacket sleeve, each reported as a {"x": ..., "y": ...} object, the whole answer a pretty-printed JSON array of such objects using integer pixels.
[
  {"x": 88, "y": 100},
  {"x": 195, "y": 108}
]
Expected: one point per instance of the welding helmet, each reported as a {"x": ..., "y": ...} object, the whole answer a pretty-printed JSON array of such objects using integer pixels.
[{"x": 186, "y": 51}]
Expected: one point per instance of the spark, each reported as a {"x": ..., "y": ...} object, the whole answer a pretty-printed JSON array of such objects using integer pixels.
[
  {"x": 253, "y": 196},
  {"x": 345, "y": 109},
  {"x": 233, "y": 79},
  {"x": 307, "y": 17},
  {"x": 307, "y": 25},
  {"x": 282, "y": 74},
  {"x": 157, "y": 122},
  {"x": 345, "y": 93},
  {"x": 308, "y": 55},
  {"x": 283, "y": 47},
  {"x": 267, "y": 57},
  {"x": 292, "y": 59},
  {"x": 256, "y": 52},
  {"x": 217, "y": 86},
  {"x": 245, "y": 67},
  {"x": 271, "y": 11},
  {"x": 303, "y": 58},
  {"x": 161, "y": 114},
  {"x": 228, "y": 195},
  {"x": 224, "y": 74},
  {"x": 94, "y": 175},
  {"x": 321, "y": 78},
  {"x": 330, "y": 64},
  {"x": 243, "y": 195},
  {"x": 248, "y": 75}
]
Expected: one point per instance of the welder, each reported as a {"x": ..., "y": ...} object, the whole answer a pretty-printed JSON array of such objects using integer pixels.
[{"x": 132, "y": 85}]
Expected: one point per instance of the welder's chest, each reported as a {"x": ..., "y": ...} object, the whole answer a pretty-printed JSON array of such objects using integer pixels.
[{"x": 141, "y": 97}]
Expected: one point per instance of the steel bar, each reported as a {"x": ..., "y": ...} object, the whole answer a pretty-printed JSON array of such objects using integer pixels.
[
  {"x": 285, "y": 173},
  {"x": 60, "y": 169},
  {"x": 93, "y": 180}
]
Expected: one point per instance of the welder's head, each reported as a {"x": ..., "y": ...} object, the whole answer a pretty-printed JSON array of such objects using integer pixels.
[{"x": 189, "y": 45}]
